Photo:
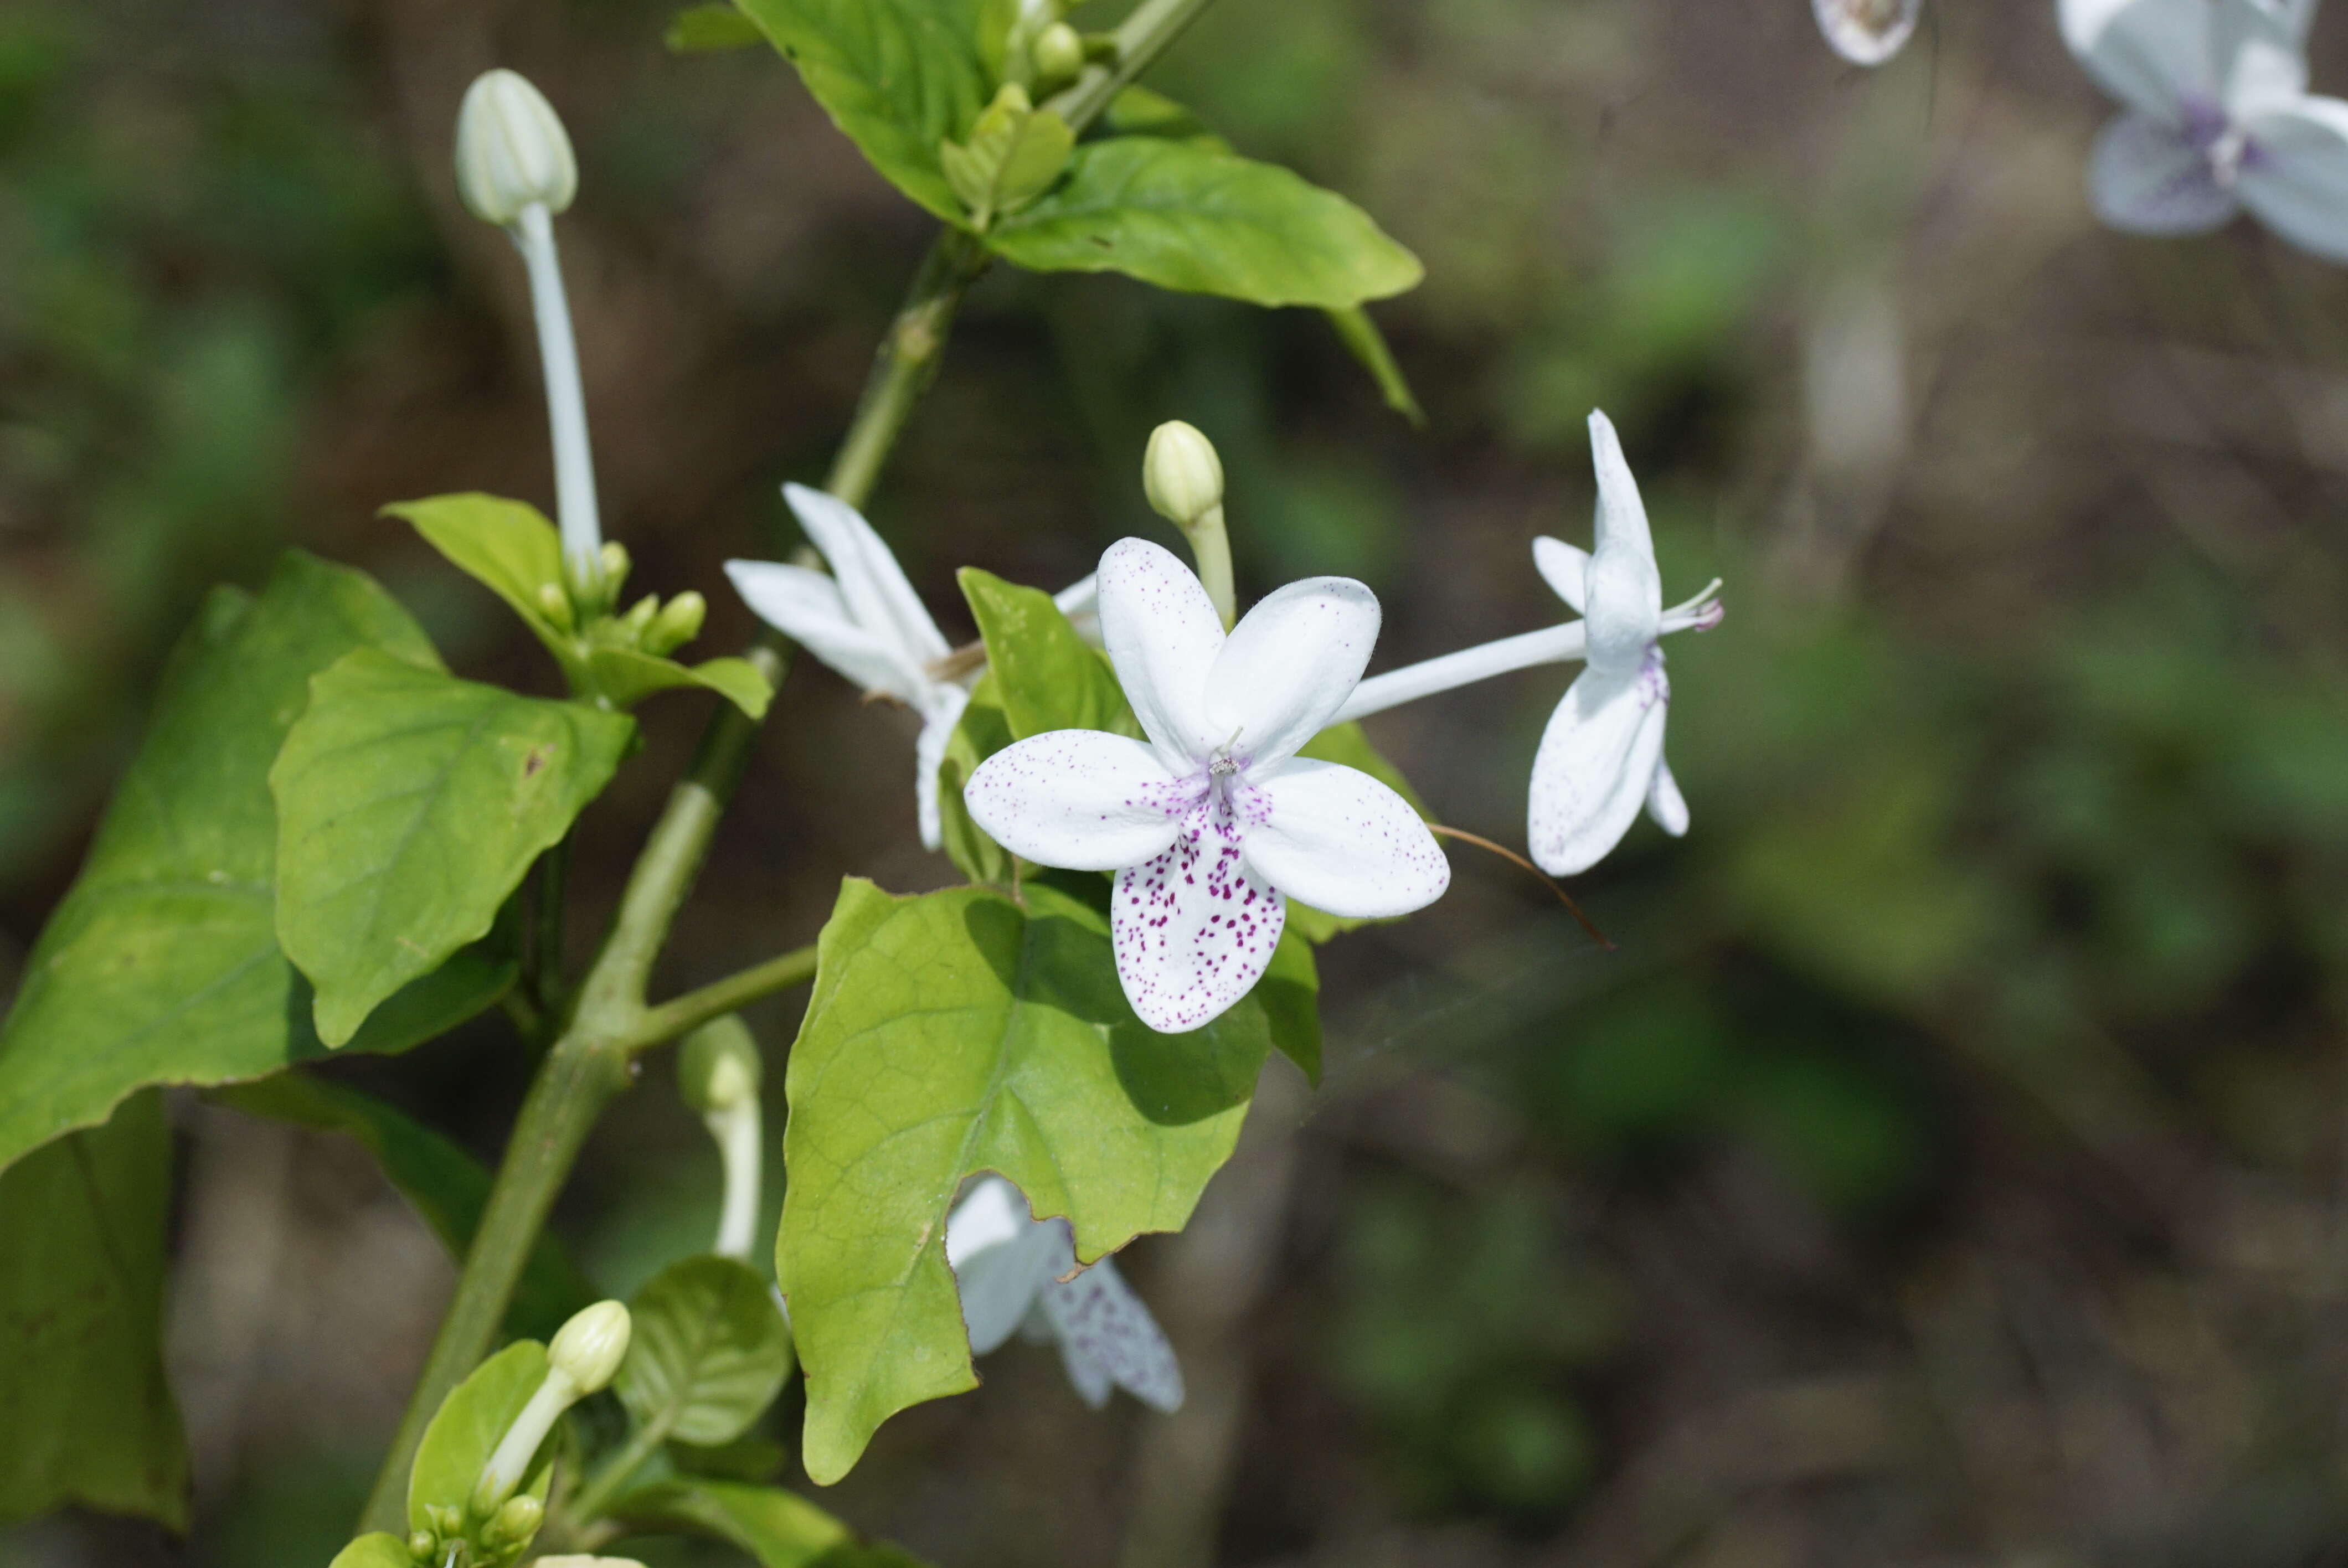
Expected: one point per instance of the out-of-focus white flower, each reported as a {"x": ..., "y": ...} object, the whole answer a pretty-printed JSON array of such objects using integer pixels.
[
  {"x": 2220, "y": 119},
  {"x": 864, "y": 619},
  {"x": 1016, "y": 1272},
  {"x": 1867, "y": 32},
  {"x": 1216, "y": 817}
]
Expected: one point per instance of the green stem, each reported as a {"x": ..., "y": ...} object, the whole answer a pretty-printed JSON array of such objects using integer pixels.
[
  {"x": 907, "y": 364},
  {"x": 683, "y": 1014},
  {"x": 546, "y": 935},
  {"x": 613, "y": 1474},
  {"x": 1210, "y": 545},
  {"x": 1140, "y": 38}
]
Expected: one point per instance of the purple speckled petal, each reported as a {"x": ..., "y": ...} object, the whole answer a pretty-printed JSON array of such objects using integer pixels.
[
  {"x": 1193, "y": 927},
  {"x": 1341, "y": 841},
  {"x": 1107, "y": 1336},
  {"x": 1291, "y": 663},
  {"x": 1596, "y": 765},
  {"x": 1084, "y": 800},
  {"x": 1162, "y": 634}
]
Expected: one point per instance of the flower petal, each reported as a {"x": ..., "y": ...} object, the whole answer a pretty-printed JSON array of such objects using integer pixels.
[
  {"x": 1084, "y": 800},
  {"x": 1868, "y": 31},
  {"x": 2151, "y": 55},
  {"x": 1081, "y": 597},
  {"x": 1565, "y": 567},
  {"x": 2295, "y": 176},
  {"x": 874, "y": 585},
  {"x": 1290, "y": 664},
  {"x": 2146, "y": 176},
  {"x": 1596, "y": 763},
  {"x": 1162, "y": 634},
  {"x": 1193, "y": 927},
  {"x": 1107, "y": 1336},
  {"x": 808, "y": 607},
  {"x": 1001, "y": 1257},
  {"x": 1626, "y": 607},
  {"x": 1665, "y": 804},
  {"x": 1335, "y": 838},
  {"x": 943, "y": 712}
]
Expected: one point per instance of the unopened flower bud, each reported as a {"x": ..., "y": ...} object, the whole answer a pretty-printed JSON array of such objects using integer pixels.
[
  {"x": 678, "y": 623},
  {"x": 640, "y": 616},
  {"x": 615, "y": 563},
  {"x": 515, "y": 1521},
  {"x": 422, "y": 1545},
  {"x": 1059, "y": 52},
  {"x": 589, "y": 1348},
  {"x": 555, "y": 604},
  {"x": 511, "y": 150},
  {"x": 718, "y": 1066},
  {"x": 1180, "y": 474},
  {"x": 446, "y": 1517}
]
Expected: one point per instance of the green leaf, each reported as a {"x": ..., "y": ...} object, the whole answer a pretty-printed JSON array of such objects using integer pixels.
[
  {"x": 410, "y": 806},
  {"x": 1347, "y": 743},
  {"x": 1290, "y": 995},
  {"x": 161, "y": 965},
  {"x": 898, "y": 77},
  {"x": 1188, "y": 216},
  {"x": 779, "y": 1529},
  {"x": 1046, "y": 677},
  {"x": 1014, "y": 155},
  {"x": 624, "y": 677},
  {"x": 466, "y": 1430},
  {"x": 959, "y": 1033},
  {"x": 707, "y": 1353},
  {"x": 83, "y": 1399},
  {"x": 1140, "y": 111},
  {"x": 1362, "y": 338},
  {"x": 982, "y": 730},
  {"x": 700, "y": 28},
  {"x": 377, "y": 1551},
  {"x": 449, "y": 1188},
  {"x": 507, "y": 545}
]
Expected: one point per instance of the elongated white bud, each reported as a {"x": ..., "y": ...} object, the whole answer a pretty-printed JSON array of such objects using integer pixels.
[
  {"x": 1181, "y": 474},
  {"x": 717, "y": 1073},
  {"x": 511, "y": 150},
  {"x": 586, "y": 1352},
  {"x": 589, "y": 1347}
]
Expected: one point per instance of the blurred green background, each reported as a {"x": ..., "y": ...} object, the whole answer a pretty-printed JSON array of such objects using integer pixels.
[{"x": 1949, "y": 1166}]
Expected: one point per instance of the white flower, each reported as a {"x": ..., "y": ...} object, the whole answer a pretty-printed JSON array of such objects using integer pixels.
[
  {"x": 1018, "y": 1271},
  {"x": 1602, "y": 755},
  {"x": 864, "y": 619},
  {"x": 1216, "y": 817},
  {"x": 1867, "y": 32},
  {"x": 2220, "y": 119}
]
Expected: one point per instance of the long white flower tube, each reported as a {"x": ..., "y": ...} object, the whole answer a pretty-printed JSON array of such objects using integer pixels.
[
  {"x": 515, "y": 168},
  {"x": 864, "y": 619},
  {"x": 1018, "y": 1272},
  {"x": 2220, "y": 119},
  {"x": 1215, "y": 818},
  {"x": 717, "y": 1073}
]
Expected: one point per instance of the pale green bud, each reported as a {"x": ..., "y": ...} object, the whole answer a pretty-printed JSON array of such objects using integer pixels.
[
  {"x": 678, "y": 623},
  {"x": 616, "y": 566},
  {"x": 588, "y": 1349},
  {"x": 511, "y": 150},
  {"x": 1181, "y": 474},
  {"x": 555, "y": 604},
  {"x": 640, "y": 616},
  {"x": 718, "y": 1066},
  {"x": 422, "y": 1545},
  {"x": 1059, "y": 52},
  {"x": 515, "y": 1521},
  {"x": 446, "y": 1517}
]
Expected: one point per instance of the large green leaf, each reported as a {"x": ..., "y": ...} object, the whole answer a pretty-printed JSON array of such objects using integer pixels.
[
  {"x": 954, "y": 1034},
  {"x": 707, "y": 1352},
  {"x": 1046, "y": 677},
  {"x": 161, "y": 965},
  {"x": 409, "y": 806},
  {"x": 466, "y": 1430},
  {"x": 1185, "y": 215},
  {"x": 898, "y": 77},
  {"x": 447, "y": 1186},
  {"x": 86, "y": 1412},
  {"x": 779, "y": 1528},
  {"x": 698, "y": 29}
]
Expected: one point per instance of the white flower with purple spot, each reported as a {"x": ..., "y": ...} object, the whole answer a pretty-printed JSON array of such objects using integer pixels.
[
  {"x": 1215, "y": 818},
  {"x": 864, "y": 619},
  {"x": 2220, "y": 119},
  {"x": 1016, "y": 1272}
]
